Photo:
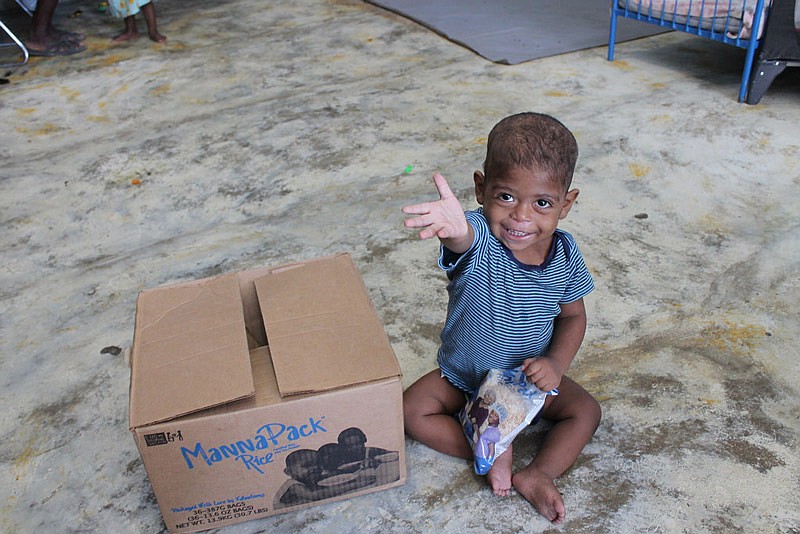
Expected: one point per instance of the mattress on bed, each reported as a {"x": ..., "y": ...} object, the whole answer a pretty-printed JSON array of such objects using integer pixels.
[{"x": 732, "y": 17}]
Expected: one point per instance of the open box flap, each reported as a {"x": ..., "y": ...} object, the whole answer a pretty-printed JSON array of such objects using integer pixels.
[
  {"x": 190, "y": 350},
  {"x": 322, "y": 330}
]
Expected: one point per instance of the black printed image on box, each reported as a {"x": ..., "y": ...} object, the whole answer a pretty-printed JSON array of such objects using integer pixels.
[
  {"x": 262, "y": 392},
  {"x": 336, "y": 469}
]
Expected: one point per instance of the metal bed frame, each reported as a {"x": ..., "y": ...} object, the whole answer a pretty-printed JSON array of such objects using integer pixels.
[{"x": 714, "y": 27}]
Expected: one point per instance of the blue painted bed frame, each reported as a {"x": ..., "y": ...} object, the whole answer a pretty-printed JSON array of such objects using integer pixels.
[{"x": 661, "y": 18}]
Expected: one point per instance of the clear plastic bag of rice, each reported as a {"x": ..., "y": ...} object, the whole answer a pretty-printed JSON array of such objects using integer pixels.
[{"x": 503, "y": 405}]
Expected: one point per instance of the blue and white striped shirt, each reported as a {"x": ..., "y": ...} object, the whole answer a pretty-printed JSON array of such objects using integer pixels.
[{"x": 502, "y": 311}]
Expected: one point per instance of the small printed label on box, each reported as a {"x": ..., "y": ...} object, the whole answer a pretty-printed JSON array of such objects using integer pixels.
[
  {"x": 162, "y": 438},
  {"x": 218, "y": 511}
]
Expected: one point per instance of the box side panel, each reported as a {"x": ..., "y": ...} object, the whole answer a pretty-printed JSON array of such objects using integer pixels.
[
  {"x": 256, "y": 335},
  {"x": 322, "y": 329},
  {"x": 189, "y": 350},
  {"x": 234, "y": 467}
]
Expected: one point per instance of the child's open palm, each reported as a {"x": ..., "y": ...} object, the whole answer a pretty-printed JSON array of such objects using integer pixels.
[{"x": 443, "y": 218}]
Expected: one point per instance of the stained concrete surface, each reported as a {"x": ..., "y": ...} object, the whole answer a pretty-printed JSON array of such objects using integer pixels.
[{"x": 271, "y": 132}]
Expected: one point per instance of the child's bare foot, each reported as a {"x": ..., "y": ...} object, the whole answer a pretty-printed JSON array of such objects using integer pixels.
[
  {"x": 499, "y": 476},
  {"x": 157, "y": 37},
  {"x": 126, "y": 36},
  {"x": 540, "y": 491}
]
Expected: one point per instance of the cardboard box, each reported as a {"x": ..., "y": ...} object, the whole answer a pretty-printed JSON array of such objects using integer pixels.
[{"x": 264, "y": 391}]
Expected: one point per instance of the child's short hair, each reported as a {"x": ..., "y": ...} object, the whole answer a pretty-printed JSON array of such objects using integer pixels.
[{"x": 533, "y": 141}]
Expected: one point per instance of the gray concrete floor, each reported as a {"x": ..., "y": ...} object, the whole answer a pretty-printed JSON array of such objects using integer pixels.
[{"x": 267, "y": 132}]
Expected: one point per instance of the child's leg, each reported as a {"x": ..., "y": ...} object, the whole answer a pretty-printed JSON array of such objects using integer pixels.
[
  {"x": 149, "y": 12},
  {"x": 499, "y": 476},
  {"x": 428, "y": 408},
  {"x": 131, "y": 32},
  {"x": 575, "y": 416}
]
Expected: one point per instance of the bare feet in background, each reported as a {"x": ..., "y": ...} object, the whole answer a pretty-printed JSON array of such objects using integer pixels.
[
  {"x": 125, "y": 36},
  {"x": 131, "y": 32}
]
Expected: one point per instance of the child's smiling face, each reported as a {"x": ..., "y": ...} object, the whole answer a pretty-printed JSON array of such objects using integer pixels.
[{"x": 523, "y": 208}]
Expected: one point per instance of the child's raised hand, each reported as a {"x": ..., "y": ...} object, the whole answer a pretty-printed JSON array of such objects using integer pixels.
[
  {"x": 543, "y": 373},
  {"x": 443, "y": 218}
]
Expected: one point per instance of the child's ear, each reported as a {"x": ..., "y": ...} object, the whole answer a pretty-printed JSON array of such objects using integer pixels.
[
  {"x": 569, "y": 200},
  {"x": 480, "y": 186}
]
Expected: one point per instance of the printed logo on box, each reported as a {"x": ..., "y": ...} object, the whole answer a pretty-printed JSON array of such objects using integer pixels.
[{"x": 257, "y": 451}]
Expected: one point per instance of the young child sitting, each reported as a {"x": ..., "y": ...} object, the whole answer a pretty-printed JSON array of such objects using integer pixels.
[{"x": 516, "y": 292}]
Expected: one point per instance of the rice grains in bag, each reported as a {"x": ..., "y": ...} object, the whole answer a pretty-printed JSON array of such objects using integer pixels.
[{"x": 503, "y": 405}]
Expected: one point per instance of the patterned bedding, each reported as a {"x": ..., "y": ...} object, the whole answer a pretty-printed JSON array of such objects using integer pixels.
[{"x": 732, "y": 17}]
